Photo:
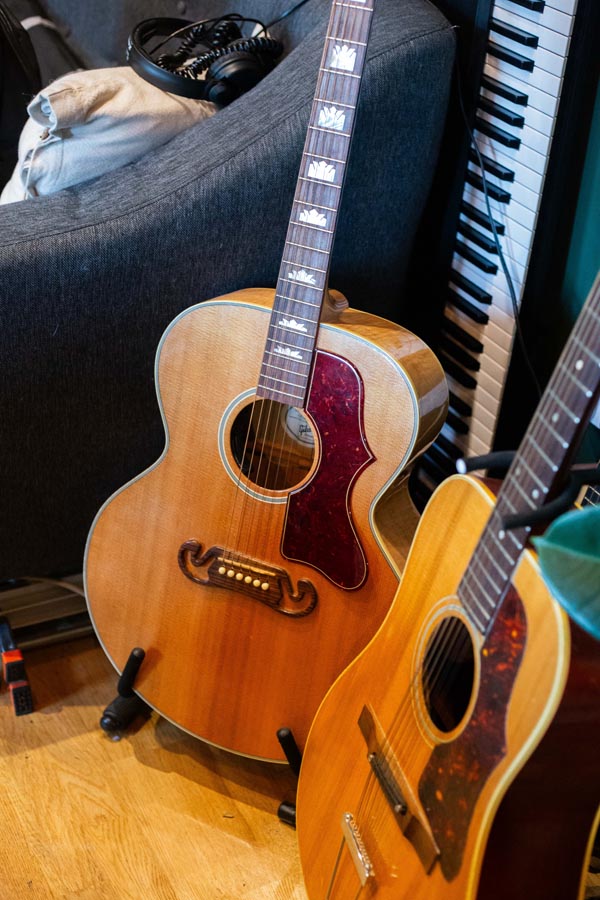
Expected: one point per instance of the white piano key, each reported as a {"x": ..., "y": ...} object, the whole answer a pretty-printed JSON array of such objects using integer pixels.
[
  {"x": 551, "y": 40},
  {"x": 513, "y": 230},
  {"x": 519, "y": 192},
  {"x": 528, "y": 136},
  {"x": 545, "y": 60},
  {"x": 523, "y": 175},
  {"x": 509, "y": 247},
  {"x": 464, "y": 267},
  {"x": 526, "y": 155},
  {"x": 515, "y": 264},
  {"x": 517, "y": 212},
  {"x": 536, "y": 98},
  {"x": 555, "y": 15},
  {"x": 539, "y": 78},
  {"x": 487, "y": 407},
  {"x": 492, "y": 334},
  {"x": 533, "y": 117}
]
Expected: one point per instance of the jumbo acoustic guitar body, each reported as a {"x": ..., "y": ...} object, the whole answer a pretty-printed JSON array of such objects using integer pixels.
[
  {"x": 457, "y": 757},
  {"x": 258, "y": 556}
]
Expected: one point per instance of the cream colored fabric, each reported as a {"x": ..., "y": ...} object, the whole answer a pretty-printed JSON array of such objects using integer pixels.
[{"x": 91, "y": 122}]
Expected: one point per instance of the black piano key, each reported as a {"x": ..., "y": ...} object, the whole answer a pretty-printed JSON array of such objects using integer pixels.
[
  {"x": 475, "y": 258},
  {"x": 501, "y": 112},
  {"x": 457, "y": 353},
  {"x": 497, "y": 134},
  {"x": 445, "y": 463},
  {"x": 534, "y": 5},
  {"x": 490, "y": 165},
  {"x": 432, "y": 469},
  {"x": 459, "y": 405},
  {"x": 493, "y": 190},
  {"x": 463, "y": 337},
  {"x": 514, "y": 34},
  {"x": 509, "y": 56},
  {"x": 476, "y": 215},
  {"x": 456, "y": 371},
  {"x": 469, "y": 287},
  {"x": 477, "y": 237},
  {"x": 504, "y": 90},
  {"x": 468, "y": 308},
  {"x": 447, "y": 447},
  {"x": 457, "y": 424}
]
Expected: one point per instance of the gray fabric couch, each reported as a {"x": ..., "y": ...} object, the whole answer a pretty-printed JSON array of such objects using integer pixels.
[{"x": 91, "y": 276}]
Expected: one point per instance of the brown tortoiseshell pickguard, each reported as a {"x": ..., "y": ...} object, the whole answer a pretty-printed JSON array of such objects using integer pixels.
[
  {"x": 318, "y": 529},
  {"x": 457, "y": 771}
]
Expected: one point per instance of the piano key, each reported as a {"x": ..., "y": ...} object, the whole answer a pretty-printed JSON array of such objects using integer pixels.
[
  {"x": 527, "y": 135},
  {"x": 537, "y": 5},
  {"x": 536, "y": 77},
  {"x": 537, "y": 98},
  {"x": 475, "y": 257},
  {"x": 470, "y": 309},
  {"x": 510, "y": 57},
  {"x": 481, "y": 217},
  {"x": 525, "y": 155},
  {"x": 515, "y": 232},
  {"x": 482, "y": 240},
  {"x": 456, "y": 423},
  {"x": 547, "y": 38},
  {"x": 514, "y": 210},
  {"x": 486, "y": 277},
  {"x": 541, "y": 59},
  {"x": 462, "y": 337},
  {"x": 508, "y": 30},
  {"x": 522, "y": 174},
  {"x": 458, "y": 354},
  {"x": 554, "y": 17},
  {"x": 516, "y": 257},
  {"x": 491, "y": 87},
  {"x": 495, "y": 334},
  {"x": 518, "y": 191},
  {"x": 498, "y": 193},
  {"x": 447, "y": 447},
  {"x": 446, "y": 463},
  {"x": 503, "y": 113},
  {"x": 470, "y": 287},
  {"x": 464, "y": 268},
  {"x": 502, "y": 173},
  {"x": 535, "y": 119}
]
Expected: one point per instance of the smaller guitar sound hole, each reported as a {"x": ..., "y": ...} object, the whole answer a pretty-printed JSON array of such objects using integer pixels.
[
  {"x": 448, "y": 673},
  {"x": 273, "y": 444}
]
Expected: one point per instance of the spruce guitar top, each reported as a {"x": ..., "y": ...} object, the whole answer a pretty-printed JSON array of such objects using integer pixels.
[
  {"x": 456, "y": 757},
  {"x": 257, "y": 557}
]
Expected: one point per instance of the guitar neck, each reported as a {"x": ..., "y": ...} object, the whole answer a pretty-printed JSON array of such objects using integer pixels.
[
  {"x": 302, "y": 282},
  {"x": 548, "y": 444}
]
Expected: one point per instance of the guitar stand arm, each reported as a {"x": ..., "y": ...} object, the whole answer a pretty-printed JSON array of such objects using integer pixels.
[
  {"x": 121, "y": 712},
  {"x": 13, "y": 671},
  {"x": 578, "y": 476},
  {"x": 286, "y": 811}
]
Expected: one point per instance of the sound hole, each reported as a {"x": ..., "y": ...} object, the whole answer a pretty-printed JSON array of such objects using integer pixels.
[
  {"x": 273, "y": 444},
  {"x": 448, "y": 672}
]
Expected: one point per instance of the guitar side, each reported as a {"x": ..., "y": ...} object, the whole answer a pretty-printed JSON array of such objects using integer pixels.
[
  {"x": 461, "y": 785},
  {"x": 226, "y": 664}
]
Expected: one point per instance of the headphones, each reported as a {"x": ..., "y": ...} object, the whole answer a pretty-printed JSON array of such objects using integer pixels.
[{"x": 186, "y": 50}]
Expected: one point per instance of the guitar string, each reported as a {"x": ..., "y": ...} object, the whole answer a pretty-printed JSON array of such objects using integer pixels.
[
  {"x": 246, "y": 524},
  {"x": 538, "y": 425}
]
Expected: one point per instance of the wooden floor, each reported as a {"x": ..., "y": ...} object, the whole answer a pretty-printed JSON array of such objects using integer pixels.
[{"x": 157, "y": 814}]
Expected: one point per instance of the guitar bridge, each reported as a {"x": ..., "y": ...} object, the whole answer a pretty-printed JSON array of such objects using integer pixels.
[
  {"x": 270, "y": 585},
  {"x": 357, "y": 849}
]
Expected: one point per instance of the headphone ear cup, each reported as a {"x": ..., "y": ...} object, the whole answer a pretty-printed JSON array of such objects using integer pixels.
[{"x": 233, "y": 74}]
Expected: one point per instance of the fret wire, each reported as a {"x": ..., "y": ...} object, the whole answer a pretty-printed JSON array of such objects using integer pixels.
[
  {"x": 516, "y": 484},
  {"x": 306, "y": 247},
  {"x": 330, "y": 184},
  {"x": 273, "y": 390},
  {"x": 337, "y": 72},
  {"x": 301, "y": 375},
  {"x": 523, "y": 462},
  {"x": 294, "y": 359},
  {"x": 337, "y": 133},
  {"x": 587, "y": 350},
  {"x": 347, "y": 41},
  {"x": 322, "y": 155},
  {"x": 475, "y": 607},
  {"x": 557, "y": 435},
  {"x": 304, "y": 319},
  {"x": 282, "y": 343},
  {"x": 289, "y": 262},
  {"x": 530, "y": 438},
  {"x": 320, "y": 205},
  {"x": 282, "y": 381},
  {"x": 492, "y": 559},
  {"x": 297, "y": 224},
  {"x": 564, "y": 407},
  {"x": 339, "y": 102},
  {"x": 297, "y": 300},
  {"x": 286, "y": 328},
  {"x": 313, "y": 287},
  {"x": 475, "y": 563}
]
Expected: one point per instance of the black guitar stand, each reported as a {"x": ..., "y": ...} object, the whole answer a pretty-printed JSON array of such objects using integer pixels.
[
  {"x": 13, "y": 672},
  {"x": 119, "y": 714},
  {"x": 578, "y": 476},
  {"x": 286, "y": 811}
]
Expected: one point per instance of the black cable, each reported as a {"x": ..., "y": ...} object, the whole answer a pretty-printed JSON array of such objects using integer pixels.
[
  {"x": 511, "y": 289},
  {"x": 288, "y": 12}
]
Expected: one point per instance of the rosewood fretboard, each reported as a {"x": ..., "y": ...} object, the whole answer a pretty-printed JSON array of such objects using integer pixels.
[
  {"x": 548, "y": 443},
  {"x": 302, "y": 282}
]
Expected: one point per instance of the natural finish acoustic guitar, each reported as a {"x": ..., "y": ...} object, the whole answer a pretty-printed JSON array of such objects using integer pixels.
[
  {"x": 261, "y": 552},
  {"x": 457, "y": 757}
]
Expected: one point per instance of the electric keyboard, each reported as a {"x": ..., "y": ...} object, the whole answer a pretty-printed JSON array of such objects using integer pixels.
[{"x": 519, "y": 94}]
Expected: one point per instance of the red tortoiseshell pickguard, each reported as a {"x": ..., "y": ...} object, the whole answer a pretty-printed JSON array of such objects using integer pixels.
[
  {"x": 318, "y": 529},
  {"x": 457, "y": 771}
]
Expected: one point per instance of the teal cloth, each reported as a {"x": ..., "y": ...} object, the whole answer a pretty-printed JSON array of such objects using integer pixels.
[{"x": 569, "y": 556}]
